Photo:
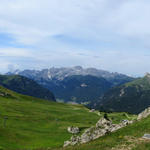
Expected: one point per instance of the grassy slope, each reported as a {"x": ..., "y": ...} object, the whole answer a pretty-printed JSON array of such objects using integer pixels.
[
  {"x": 132, "y": 97},
  {"x": 33, "y": 123},
  {"x": 36, "y": 124}
]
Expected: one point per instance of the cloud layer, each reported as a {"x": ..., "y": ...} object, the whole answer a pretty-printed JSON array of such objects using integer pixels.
[{"x": 113, "y": 35}]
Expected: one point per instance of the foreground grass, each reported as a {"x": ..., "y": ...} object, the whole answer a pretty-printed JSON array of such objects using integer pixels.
[{"x": 28, "y": 123}]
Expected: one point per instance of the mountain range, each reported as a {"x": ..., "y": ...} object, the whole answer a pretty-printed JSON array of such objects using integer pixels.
[
  {"x": 101, "y": 90},
  {"x": 77, "y": 84},
  {"x": 61, "y": 73}
]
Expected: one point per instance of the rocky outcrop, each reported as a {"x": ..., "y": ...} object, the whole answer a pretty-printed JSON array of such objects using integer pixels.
[
  {"x": 92, "y": 110},
  {"x": 73, "y": 130},
  {"x": 102, "y": 127},
  {"x": 4, "y": 94},
  {"x": 144, "y": 114}
]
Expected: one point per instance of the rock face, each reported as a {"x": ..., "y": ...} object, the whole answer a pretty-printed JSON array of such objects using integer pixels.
[
  {"x": 73, "y": 130},
  {"x": 102, "y": 127},
  {"x": 144, "y": 114},
  {"x": 61, "y": 73}
]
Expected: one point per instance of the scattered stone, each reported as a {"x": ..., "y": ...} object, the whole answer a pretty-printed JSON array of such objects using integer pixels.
[
  {"x": 92, "y": 110},
  {"x": 73, "y": 130},
  {"x": 146, "y": 136},
  {"x": 1, "y": 94},
  {"x": 102, "y": 127},
  {"x": 126, "y": 122},
  {"x": 66, "y": 143},
  {"x": 144, "y": 114}
]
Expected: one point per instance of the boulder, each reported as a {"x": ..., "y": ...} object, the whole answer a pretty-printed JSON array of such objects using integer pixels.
[
  {"x": 73, "y": 130},
  {"x": 73, "y": 141},
  {"x": 92, "y": 134},
  {"x": 66, "y": 143},
  {"x": 1, "y": 94},
  {"x": 92, "y": 110},
  {"x": 103, "y": 123}
]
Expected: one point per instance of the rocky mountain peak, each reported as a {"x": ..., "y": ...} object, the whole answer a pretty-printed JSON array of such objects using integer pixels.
[{"x": 63, "y": 72}]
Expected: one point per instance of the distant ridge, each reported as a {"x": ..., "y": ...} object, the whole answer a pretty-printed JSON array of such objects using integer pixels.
[
  {"x": 63, "y": 72},
  {"x": 25, "y": 86},
  {"x": 76, "y": 84},
  {"x": 132, "y": 97}
]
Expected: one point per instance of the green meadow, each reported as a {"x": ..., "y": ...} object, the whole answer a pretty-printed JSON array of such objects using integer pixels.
[{"x": 28, "y": 123}]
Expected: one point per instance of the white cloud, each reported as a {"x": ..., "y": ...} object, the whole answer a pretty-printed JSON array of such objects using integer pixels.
[
  {"x": 106, "y": 32},
  {"x": 15, "y": 52},
  {"x": 33, "y": 20}
]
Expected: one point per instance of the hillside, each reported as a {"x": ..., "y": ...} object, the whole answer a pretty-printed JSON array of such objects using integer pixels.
[
  {"x": 31, "y": 123},
  {"x": 79, "y": 89},
  {"x": 131, "y": 97},
  {"x": 25, "y": 86}
]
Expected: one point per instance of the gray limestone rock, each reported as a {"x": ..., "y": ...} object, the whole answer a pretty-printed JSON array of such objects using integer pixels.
[
  {"x": 102, "y": 127},
  {"x": 73, "y": 130},
  {"x": 144, "y": 114}
]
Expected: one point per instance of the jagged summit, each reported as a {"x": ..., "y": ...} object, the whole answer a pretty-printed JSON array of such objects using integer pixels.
[
  {"x": 63, "y": 72},
  {"x": 76, "y": 83}
]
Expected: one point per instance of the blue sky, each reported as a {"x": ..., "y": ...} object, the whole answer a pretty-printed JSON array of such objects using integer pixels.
[{"x": 110, "y": 35}]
